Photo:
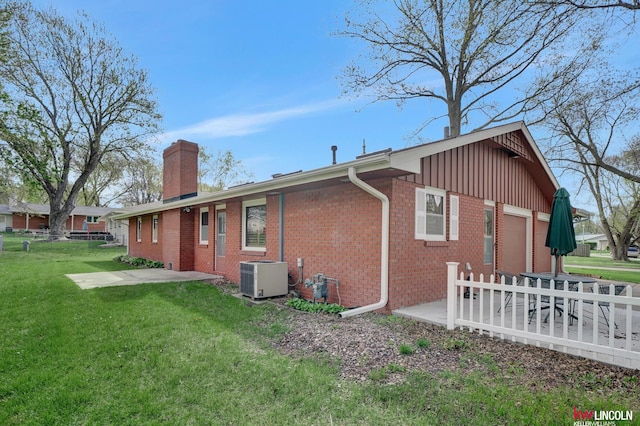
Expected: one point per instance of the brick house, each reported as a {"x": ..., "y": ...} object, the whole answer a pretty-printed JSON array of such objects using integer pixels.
[
  {"x": 30, "y": 217},
  {"x": 383, "y": 224}
]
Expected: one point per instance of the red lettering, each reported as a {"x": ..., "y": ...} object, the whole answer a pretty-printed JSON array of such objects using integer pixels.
[{"x": 582, "y": 415}]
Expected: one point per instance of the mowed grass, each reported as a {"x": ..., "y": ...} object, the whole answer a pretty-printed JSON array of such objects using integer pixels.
[
  {"x": 600, "y": 264},
  {"x": 185, "y": 353}
]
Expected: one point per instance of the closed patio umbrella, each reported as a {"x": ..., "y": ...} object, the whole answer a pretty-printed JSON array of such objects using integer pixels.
[{"x": 561, "y": 237}]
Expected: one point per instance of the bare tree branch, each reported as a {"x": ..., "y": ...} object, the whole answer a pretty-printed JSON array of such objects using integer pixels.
[{"x": 463, "y": 54}]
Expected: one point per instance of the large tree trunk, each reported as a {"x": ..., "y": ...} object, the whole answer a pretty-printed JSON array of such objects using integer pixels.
[
  {"x": 619, "y": 252},
  {"x": 58, "y": 215},
  {"x": 57, "y": 222}
]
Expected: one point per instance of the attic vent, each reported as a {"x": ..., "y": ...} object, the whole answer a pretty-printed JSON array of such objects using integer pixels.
[
  {"x": 513, "y": 145},
  {"x": 510, "y": 153}
]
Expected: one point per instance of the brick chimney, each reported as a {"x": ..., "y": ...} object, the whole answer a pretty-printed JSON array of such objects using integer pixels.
[{"x": 180, "y": 171}]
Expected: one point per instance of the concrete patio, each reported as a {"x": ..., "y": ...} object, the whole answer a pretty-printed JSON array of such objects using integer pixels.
[
  {"x": 436, "y": 313},
  {"x": 136, "y": 276}
]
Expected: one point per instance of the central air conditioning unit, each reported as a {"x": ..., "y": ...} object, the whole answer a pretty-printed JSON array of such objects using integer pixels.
[{"x": 260, "y": 279}]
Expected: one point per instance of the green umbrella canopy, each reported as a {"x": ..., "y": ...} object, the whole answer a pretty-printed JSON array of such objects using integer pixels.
[{"x": 561, "y": 237}]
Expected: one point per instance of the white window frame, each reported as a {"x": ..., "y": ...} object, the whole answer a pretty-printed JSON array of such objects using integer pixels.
[
  {"x": 204, "y": 230},
  {"x": 245, "y": 204},
  {"x": 489, "y": 249},
  {"x": 454, "y": 217},
  {"x": 154, "y": 229},
  {"x": 139, "y": 229},
  {"x": 92, "y": 219},
  {"x": 421, "y": 214}
]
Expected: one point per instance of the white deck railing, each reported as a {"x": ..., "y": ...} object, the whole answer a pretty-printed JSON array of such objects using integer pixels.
[{"x": 580, "y": 328}]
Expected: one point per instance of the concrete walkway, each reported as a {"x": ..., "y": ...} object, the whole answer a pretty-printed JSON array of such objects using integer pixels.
[{"x": 136, "y": 276}]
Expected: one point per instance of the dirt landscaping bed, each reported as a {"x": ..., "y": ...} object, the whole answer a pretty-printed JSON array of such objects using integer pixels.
[{"x": 386, "y": 348}]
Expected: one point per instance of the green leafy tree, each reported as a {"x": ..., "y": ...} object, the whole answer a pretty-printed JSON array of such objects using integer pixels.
[
  {"x": 141, "y": 183},
  {"x": 220, "y": 172},
  {"x": 97, "y": 189},
  {"x": 74, "y": 96}
]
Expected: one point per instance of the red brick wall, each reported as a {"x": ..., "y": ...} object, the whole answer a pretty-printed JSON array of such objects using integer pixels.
[
  {"x": 418, "y": 268},
  {"x": 203, "y": 254},
  {"x": 180, "y": 172},
  {"x": 77, "y": 224},
  {"x": 171, "y": 239},
  {"x": 230, "y": 264},
  {"x": 336, "y": 230},
  {"x": 178, "y": 239},
  {"x": 20, "y": 222},
  {"x": 145, "y": 248}
]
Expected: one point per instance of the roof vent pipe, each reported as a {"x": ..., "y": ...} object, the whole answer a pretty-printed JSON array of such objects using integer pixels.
[
  {"x": 334, "y": 149},
  {"x": 447, "y": 132}
]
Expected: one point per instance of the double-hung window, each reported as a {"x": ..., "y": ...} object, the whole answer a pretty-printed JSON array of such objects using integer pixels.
[
  {"x": 254, "y": 225},
  {"x": 139, "y": 229},
  {"x": 431, "y": 210},
  {"x": 488, "y": 235},
  {"x": 154, "y": 229},
  {"x": 204, "y": 225}
]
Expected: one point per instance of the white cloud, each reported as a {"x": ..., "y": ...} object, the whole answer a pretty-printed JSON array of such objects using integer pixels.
[{"x": 241, "y": 124}]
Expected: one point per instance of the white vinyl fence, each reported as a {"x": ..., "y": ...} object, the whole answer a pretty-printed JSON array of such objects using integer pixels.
[{"x": 580, "y": 319}]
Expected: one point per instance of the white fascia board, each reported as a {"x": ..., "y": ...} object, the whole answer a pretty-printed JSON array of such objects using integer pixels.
[{"x": 370, "y": 163}]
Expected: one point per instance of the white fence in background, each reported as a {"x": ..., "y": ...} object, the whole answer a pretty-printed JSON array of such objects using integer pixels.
[{"x": 580, "y": 327}]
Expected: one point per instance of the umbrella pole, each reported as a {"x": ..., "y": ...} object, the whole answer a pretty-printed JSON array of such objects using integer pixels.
[{"x": 556, "y": 268}]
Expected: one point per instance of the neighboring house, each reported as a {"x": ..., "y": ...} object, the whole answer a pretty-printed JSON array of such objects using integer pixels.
[
  {"x": 6, "y": 218},
  {"x": 383, "y": 224},
  {"x": 35, "y": 217},
  {"x": 118, "y": 228},
  {"x": 598, "y": 240}
]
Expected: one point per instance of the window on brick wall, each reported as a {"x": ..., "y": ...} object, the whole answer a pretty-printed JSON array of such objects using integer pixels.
[
  {"x": 204, "y": 225},
  {"x": 139, "y": 229},
  {"x": 454, "y": 217},
  {"x": 154, "y": 229},
  {"x": 488, "y": 235},
  {"x": 93, "y": 219},
  {"x": 254, "y": 225},
  {"x": 431, "y": 223},
  {"x": 222, "y": 233}
]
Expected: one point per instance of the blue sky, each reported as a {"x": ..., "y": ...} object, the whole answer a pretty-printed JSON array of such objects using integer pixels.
[{"x": 260, "y": 79}]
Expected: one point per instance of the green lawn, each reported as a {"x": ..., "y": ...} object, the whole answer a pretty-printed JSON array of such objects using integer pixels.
[
  {"x": 185, "y": 353},
  {"x": 600, "y": 264}
]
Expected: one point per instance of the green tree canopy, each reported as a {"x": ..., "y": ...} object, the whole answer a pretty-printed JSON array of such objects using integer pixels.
[{"x": 73, "y": 96}]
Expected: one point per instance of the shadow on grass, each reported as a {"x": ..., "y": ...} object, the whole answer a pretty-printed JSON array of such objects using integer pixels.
[{"x": 196, "y": 299}]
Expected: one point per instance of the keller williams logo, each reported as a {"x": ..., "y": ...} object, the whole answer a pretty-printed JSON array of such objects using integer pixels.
[{"x": 590, "y": 417}]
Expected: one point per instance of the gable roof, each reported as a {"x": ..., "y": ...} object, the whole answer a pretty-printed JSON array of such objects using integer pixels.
[{"x": 383, "y": 163}]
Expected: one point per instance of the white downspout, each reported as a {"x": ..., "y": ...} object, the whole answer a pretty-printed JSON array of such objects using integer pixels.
[{"x": 384, "y": 256}]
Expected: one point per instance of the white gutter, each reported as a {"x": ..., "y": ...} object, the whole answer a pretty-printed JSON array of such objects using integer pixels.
[
  {"x": 370, "y": 163},
  {"x": 384, "y": 256}
]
